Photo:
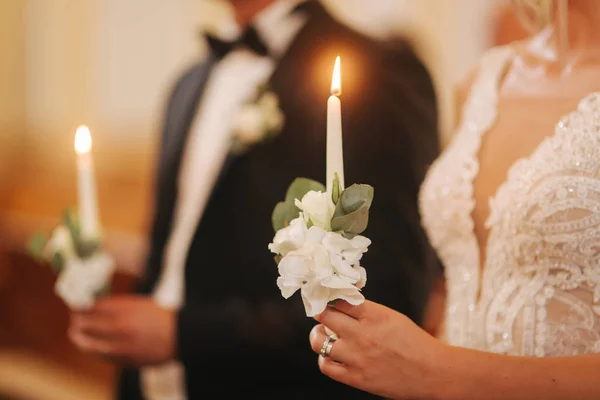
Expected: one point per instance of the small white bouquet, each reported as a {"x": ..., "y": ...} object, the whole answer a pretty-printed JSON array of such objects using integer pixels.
[
  {"x": 318, "y": 245},
  {"x": 84, "y": 270}
]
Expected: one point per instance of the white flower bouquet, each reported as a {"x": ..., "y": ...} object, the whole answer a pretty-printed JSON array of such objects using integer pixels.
[
  {"x": 318, "y": 245},
  {"x": 84, "y": 270}
]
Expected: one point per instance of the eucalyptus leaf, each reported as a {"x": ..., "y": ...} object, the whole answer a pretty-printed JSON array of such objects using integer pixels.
[
  {"x": 58, "y": 262},
  {"x": 71, "y": 221},
  {"x": 36, "y": 245},
  {"x": 105, "y": 291},
  {"x": 286, "y": 211},
  {"x": 87, "y": 248},
  {"x": 83, "y": 248},
  {"x": 283, "y": 214},
  {"x": 300, "y": 187},
  {"x": 352, "y": 224},
  {"x": 352, "y": 211},
  {"x": 354, "y": 198}
]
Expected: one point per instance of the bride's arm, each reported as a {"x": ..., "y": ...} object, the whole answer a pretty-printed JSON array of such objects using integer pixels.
[
  {"x": 383, "y": 352},
  {"x": 478, "y": 375},
  {"x": 433, "y": 322}
]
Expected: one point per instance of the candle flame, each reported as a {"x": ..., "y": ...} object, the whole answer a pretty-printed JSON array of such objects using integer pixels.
[
  {"x": 336, "y": 82},
  {"x": 83, "y": 140}
]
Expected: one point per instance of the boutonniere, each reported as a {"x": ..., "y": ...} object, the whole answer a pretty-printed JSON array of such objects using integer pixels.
[{"x": 258, "y": 120}]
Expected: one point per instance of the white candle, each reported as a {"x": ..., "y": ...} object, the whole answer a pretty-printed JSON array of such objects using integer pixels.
[
  {"x": 335, "y": 154},
  {"x": 86, "y": 185}
]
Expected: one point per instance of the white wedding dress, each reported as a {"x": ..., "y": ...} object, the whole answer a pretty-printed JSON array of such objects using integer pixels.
[{"x": 538, "y": 292}]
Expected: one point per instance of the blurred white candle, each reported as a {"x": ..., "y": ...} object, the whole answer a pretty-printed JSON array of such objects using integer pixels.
[
  {"x": 86, "y": 184},
  {"x": 335, "y": 155}
]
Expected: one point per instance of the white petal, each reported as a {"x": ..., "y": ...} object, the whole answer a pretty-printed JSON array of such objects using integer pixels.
[
  {"x": 315, "y": 298},
  {"x": 74, "y": 286},
  {"x": 294, "y": 266},
  {"x": 359, "y": 246},
  {"x": 352, "y": 256},
  {"x": 336, "y": 243},
  {"x": 353, "y": 297},
  {"x": 336, "y": 282},
  {"x": 360, "y": 242},
  {"x": 98, "y": 271},
  {"x": 322, "y": 267},
  {"x": 315, "y": 234},
  {"x": 318, "y": 208},
  {"x": 346, "y": 270},
  {"x": 363, "y": 277},
  {"x": 291, "y": 282},
  {"x": 290, "y": 238},
  {"x": 286, "y": 291}
]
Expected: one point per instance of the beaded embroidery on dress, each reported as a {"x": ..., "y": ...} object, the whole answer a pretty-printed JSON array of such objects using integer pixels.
[{"x": 539, "y": 291}]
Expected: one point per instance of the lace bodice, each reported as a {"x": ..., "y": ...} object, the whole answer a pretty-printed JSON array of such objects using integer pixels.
[{"x": 538, "y": 293}]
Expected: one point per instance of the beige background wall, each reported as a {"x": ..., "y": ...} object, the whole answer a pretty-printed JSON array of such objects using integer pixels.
[
  {"x": 108, "y": 63},
  {"x": 12, "y": 82}
]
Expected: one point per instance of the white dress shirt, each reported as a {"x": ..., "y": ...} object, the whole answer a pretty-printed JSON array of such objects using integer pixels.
[{"x": 232, "y": 82}]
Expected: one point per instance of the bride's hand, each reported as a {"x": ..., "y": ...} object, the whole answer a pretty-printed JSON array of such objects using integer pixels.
[{"x": 379, "y": 351}]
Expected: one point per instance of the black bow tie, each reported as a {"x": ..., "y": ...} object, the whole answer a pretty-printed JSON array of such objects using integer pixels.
[{"x": 250, "y": 40}]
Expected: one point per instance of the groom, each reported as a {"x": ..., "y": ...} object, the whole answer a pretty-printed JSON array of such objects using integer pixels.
[{"x": 208, "y": 319}]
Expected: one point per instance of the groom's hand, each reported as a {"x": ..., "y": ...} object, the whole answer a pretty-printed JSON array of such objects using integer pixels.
[{"x": 127, "y": 329}]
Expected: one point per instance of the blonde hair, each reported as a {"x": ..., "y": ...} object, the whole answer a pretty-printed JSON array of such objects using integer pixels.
[{"x": 535, "y": 15}]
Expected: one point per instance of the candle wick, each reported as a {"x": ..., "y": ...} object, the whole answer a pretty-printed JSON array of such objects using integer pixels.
[{"x": 336, "y": 92}]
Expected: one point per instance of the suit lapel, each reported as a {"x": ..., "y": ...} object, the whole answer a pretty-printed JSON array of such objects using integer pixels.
[{"x": 181, "y": 114}]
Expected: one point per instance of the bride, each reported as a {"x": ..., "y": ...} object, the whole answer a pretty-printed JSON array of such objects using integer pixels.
[{"x": 522, "y": 269}]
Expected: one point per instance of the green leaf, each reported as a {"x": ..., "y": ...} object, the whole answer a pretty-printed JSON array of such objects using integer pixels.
[
  {"x": 83, "y": 248},
  {"x": 354, "y": 198},
  {"x": 352, "y": 224},
  {"x": 300, "y": 187},
  {"x": 87, "y": 249},
  {"x": 336, "y": 189},
  {"x": 58, "y": 262},
  {"x": 71, "y": 221},
  {"x": 286, "y": 211},
  {"x": 36, "y": 245},
  {"x": 105, "y": 291},
  {"x": 283, "y": 214},
  {"x": 352, "y": 211}
]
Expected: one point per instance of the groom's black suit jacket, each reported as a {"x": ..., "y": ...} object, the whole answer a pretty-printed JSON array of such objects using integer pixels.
[{"x": 236, "y": 333}]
